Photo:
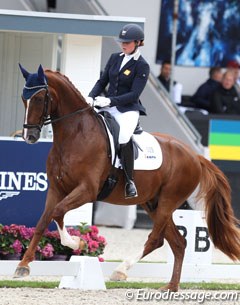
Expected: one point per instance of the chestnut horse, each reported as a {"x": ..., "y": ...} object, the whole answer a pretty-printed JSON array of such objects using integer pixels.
[{"x": 78, "y": 165}]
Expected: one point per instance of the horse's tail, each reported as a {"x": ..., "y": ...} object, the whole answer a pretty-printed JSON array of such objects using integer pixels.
[{"x": 222, "y": 224}]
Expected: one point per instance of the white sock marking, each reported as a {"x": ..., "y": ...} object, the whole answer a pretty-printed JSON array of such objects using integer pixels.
[
  {"x": 66, "y": 238},
  {"x": 128, "y": 263}
]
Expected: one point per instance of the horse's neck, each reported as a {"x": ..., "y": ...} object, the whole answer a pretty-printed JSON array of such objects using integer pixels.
[
  {"x": 66, "y": 99},
  {"x": 77, "y": 132},
  {"x": 68, "y": 102}
]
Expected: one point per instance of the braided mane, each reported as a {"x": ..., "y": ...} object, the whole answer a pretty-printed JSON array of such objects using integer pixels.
[{"x": 66, "y": 80}]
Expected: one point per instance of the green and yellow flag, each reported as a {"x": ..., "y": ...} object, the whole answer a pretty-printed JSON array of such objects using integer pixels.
[{"x": 224, "y": 140}]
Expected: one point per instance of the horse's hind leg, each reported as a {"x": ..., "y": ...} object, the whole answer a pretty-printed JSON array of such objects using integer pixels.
[
  {"x": 177, "y": 243},
  {"x": 163, "y": 227},
  {"x": 155, "y": 240}
]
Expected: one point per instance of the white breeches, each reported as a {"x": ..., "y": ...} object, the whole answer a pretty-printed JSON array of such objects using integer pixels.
[{"x": 127, "y": 122}]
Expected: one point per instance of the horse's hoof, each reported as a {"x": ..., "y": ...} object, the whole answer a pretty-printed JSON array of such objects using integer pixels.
[
  {"x": 118, "y": 276},
  {"x": 82, "y": 244},
  {"x": 76, "y": 245},
  {"x": 171, "y": 288},
  {"x": 22, "y": 271},
  {"x": 79, "y": 243}
]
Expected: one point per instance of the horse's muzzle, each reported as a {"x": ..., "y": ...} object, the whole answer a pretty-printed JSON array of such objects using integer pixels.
[{"x": 31, "y": 136}]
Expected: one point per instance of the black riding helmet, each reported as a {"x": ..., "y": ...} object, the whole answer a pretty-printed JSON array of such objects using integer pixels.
[{"x": 131, "y": 32}]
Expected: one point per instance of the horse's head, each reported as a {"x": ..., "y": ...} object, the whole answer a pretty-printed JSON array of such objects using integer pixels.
[{"x": 35, "y": 98}]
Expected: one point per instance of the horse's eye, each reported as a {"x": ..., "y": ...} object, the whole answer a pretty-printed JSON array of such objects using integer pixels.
[{"x": 38, "y": 100}]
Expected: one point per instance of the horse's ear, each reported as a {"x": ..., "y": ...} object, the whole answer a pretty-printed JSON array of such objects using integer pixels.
[
  {"x": 41, "y": 75},
  {"x": 25, "y": 73}
]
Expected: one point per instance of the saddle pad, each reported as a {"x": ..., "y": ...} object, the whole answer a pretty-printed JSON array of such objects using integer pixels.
[{"x": 149, "y": 151}]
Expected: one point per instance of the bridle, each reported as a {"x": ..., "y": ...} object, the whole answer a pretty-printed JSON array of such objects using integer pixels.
[
  {"x": 46, "y": 119},
  {"x": 45, "y": 108}
]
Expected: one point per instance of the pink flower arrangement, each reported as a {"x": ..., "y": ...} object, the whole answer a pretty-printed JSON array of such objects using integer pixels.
[
  {"x": 47, "y": 251},
  {"x": 94, "y": 243},
  {"x": 17, "y": 246},
  {"x": 14, "y": 239}
]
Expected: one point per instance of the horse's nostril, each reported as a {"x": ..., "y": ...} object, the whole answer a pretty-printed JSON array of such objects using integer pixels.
[{"x": 31, "y": 139}]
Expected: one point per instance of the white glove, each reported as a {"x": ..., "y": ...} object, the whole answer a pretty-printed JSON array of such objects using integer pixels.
[
  {"x": 102, "y": 101},
  {"x": 89, "y": 100}
]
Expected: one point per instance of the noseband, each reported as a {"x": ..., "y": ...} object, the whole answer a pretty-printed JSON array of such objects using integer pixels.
[{"x": 46, "y": 120}]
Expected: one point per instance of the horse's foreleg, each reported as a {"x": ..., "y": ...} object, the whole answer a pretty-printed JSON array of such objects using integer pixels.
[
  {"x": 73, "y": 242},
  {"x": 23, "y": 268},
  {"x": 78, "y": 197},
  {"x": 177, "y": 243}
]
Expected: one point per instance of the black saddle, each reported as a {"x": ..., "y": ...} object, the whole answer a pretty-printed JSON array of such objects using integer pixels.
[{"x": 114, "y": 129}]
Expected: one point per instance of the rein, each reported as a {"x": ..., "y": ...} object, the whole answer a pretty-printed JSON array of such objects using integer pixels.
[
  {"x": 46, "y": 120},
  {"x": 50, "y": 121}
]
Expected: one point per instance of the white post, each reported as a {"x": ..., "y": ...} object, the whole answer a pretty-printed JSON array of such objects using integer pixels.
[{"x": 174, "y": 39}]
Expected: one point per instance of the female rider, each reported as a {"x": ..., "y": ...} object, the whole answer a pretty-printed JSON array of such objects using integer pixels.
[{"x": 126, "y": 74}]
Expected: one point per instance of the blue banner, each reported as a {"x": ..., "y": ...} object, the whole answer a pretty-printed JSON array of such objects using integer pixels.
[{"x": 23, "y": 181}]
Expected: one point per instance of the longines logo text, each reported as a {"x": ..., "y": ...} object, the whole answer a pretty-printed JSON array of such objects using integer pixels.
[{"x": 12, "y": 183}]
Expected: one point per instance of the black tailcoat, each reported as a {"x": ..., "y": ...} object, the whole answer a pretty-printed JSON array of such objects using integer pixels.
[{"x": 125, "y": 85}]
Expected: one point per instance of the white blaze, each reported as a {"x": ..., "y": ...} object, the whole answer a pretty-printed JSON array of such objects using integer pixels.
[{"x": 26, "y": 119}]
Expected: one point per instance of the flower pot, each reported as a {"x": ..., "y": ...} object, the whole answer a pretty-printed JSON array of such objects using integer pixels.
[{"x": 57, "y": 257}]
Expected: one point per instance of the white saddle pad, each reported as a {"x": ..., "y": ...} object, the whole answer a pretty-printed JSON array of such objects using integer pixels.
[{"x": 149, "y": 152}]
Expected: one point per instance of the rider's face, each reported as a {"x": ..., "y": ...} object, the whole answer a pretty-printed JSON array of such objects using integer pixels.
[{"x": 128, "y": 47}]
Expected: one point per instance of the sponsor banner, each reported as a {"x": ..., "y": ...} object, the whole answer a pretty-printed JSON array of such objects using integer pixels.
[
  {"x": 24, "y": 184},
  {"x": 23, "y": 181}
]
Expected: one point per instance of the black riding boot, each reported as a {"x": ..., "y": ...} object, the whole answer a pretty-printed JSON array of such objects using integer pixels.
[{"x": 127, "y": 160}]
